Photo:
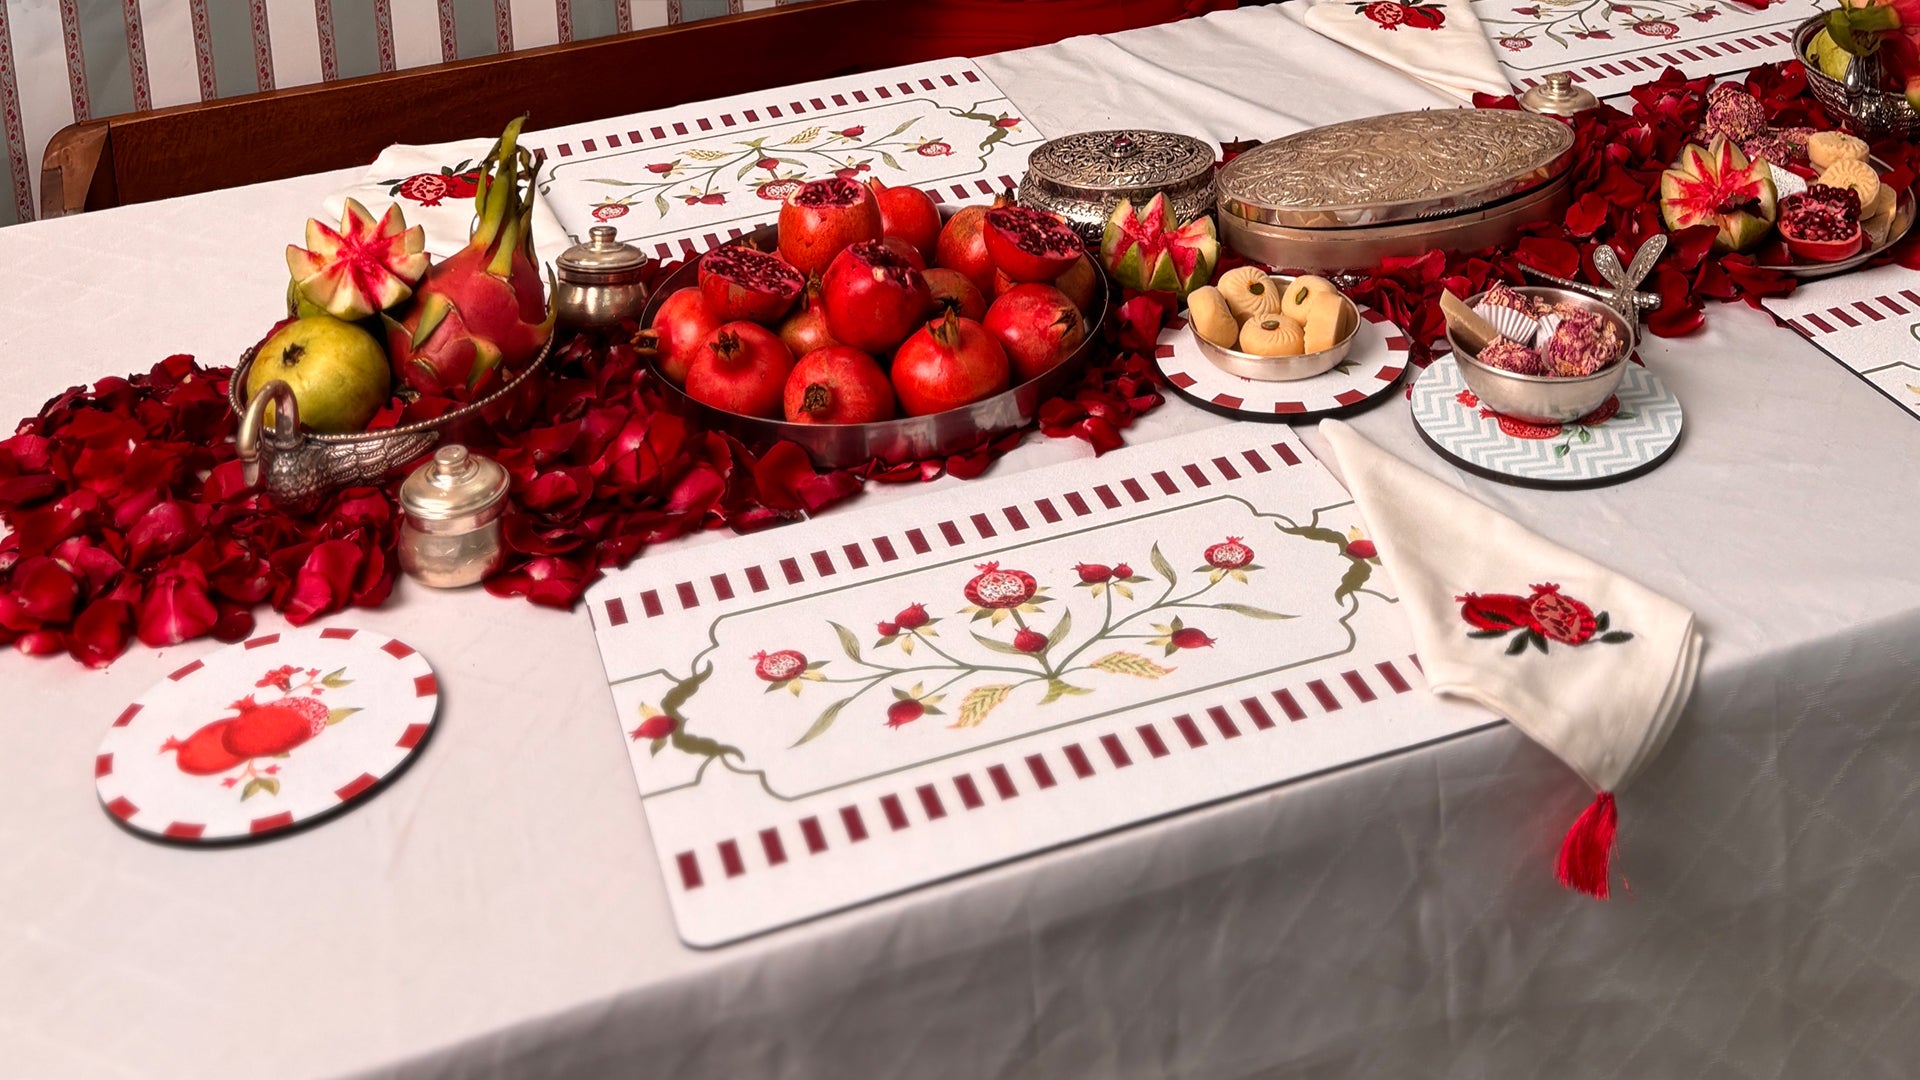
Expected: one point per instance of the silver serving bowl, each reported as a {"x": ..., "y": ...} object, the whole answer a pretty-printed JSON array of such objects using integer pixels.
[
  {"x": 1284, "y": 368},
  {"x": 1547, "y": 399},
  {"x": 911, "y": 438}
]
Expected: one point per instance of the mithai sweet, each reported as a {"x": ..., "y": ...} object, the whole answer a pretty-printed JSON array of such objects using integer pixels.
[
  {"x": 1211, "y": 317},
  {"x": 1273, "y": 335},
  {"x": 1826, "y": 147},
  {"x": 1856, "y": 174},
  {"x": 1512, "y": 356},
  {"x": 1249, "y": 292},
  {"x": 1294, "y": 299},
  {"x": 1582, "y": 344}
]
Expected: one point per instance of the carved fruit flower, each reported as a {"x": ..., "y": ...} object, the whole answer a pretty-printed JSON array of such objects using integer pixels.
[{"x": 997, "y": 589}]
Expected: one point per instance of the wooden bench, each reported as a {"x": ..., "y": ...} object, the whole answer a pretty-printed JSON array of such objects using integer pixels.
[{"x": 140, "y": 157}]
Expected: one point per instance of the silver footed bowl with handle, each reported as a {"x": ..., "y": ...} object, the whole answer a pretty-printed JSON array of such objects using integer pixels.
[{"x": 299, "y": 468}]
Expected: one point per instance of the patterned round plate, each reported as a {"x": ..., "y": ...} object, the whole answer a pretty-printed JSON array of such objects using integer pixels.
[
  {"x": 265, "y": 735},
  {"x": 1636, "y": 430},
  {"x": 1367, "y": 375}
]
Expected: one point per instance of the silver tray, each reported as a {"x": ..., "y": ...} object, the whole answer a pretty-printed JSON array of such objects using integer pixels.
[
  {"x": 1903, "y": 214},
  {"x": 912, "y": 438},
  {"x": 1284, "y": 368}
]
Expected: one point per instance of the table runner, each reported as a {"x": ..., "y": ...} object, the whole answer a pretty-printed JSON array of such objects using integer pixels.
[
  {"x": 679, "y": 181},
  {"x": 872, "y": 701},
  {"x": 1611, "y": 46}
]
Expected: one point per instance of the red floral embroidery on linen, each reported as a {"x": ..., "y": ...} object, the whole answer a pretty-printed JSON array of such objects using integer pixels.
[
  {"x": 1393, "y": 14},
  {"x": 1545, "y": 615}
]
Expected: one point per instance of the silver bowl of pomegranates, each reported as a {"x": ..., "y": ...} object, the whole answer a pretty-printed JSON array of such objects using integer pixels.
[
  {"x": 1560, "y": 354},
  {"x": 872, "y": 325}
]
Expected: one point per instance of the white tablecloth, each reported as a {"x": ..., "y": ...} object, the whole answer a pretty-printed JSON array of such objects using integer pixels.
[{"x": 498, "y": 912}]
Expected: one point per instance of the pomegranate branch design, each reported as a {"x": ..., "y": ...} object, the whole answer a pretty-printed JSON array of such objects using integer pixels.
[
  {"x": 258, "y": 730},
  {"x": 1597, "y": 20},
  {"x": 1015, "y": 641},
  {"x": 1546, "y": 615},
  {"x": 772, "y": 167}
]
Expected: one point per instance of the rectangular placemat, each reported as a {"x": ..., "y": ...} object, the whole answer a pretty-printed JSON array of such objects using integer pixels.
[
  {"x": 1869, "y": 321},
  {"x": 679, "y": 181},
  {"x": 836, "y": 711}
]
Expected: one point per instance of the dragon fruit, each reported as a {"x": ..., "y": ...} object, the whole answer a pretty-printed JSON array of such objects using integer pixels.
[
  {"x": 1142, "y": 249},
  {"x": 1718, "y": 186},
  {"x": 363, "y": 267},
  {"x": 482, "y": 313}
]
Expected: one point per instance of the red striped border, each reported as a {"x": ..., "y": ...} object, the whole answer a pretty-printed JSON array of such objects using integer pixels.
[
  {"x": 203, "y": 49},
  {"x": 12, "y": 128},
  {"x": 1856, "y": 313},
  {"x": 1029, "y": 773},
  {"x": 137, "y": 54},
  {"x": 1652, "y": 63},
  {"x": 383, "y": 32},
  {"x": 76, "y": 61},
  {"x": 958, "y": 532},
  {"x": 329, "y": 57},
  {"x": 1385, "y": 376},
  {"x": 262, "y": 45},
  {"x": 449, "y": 44}
]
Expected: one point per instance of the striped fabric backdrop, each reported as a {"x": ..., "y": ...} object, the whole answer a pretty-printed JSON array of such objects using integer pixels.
[{"x": 63, "y": 61}]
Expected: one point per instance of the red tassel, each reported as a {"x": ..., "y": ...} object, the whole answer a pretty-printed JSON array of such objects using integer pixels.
[{"x": 1587, "y": 851}]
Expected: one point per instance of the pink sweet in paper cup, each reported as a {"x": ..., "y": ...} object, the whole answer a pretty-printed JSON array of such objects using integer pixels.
[
  {"x": 1512, "y": 356},
  {"x": 1582, "y": 344}
]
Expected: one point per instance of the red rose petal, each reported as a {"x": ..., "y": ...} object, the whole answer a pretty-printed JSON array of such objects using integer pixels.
[
  {"x": 101, "y": 632},
  {"x": 176, "y": 607},
  {"x": 46, "y": 590},
  {"x": 322, "y": 585}
]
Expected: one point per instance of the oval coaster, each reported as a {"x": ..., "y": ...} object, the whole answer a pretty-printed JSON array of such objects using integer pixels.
[
  {"x": 1632, "y": 434},
  {"x": 265, "y": 735},
  {"x": 1365, "y": 377}
]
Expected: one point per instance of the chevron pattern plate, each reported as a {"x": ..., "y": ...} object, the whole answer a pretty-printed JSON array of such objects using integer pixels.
[
  {"x": 1630, "y": 435},
  {"x": 1368, "y": 373}
]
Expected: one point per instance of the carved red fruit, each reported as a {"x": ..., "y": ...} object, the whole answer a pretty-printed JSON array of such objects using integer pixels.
[
  {"x": 204, "y": 752},
  {"x": 1229, "y": 554},
  {"x": 1559, "y": 617},
  {"x": 274, "y": 728},
  {"x": 780, "y": 666},
  {"x": 997, "y": 588}
]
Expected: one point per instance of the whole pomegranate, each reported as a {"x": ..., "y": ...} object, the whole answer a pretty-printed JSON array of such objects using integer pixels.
[
  {"x": 274, "y": 728},
  {"x": 908, "y": 213},
  {"x": 1029, "y": 641},
  {"x": 741, "y": 368},
  {"x": 806, "y": 329},
  {"x": 1029, "y": 244},
  {"x": 995, "y": 588},
  {"x": 780, "y": 666},
  {"x": 822, "y": 218},
  {"x": 1078, "y": 283},
  {"x": 204, "y": 752},
  {"x": 1038, "y": 327},
  {"x": 741, "y": 283},
  {"x": 874, "y": 297},
  {"x": 679, "y": 327},
  {"x": 838, "y": 385},
  {"x": 1229, "y": 554},
  {"x": 952, "y": 291},
  {"x": 963, "y": 245},
  {"x": 948, "y": 364}
]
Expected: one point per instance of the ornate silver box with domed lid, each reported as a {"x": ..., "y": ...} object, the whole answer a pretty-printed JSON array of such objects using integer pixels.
[
  {"x": 1083, "y": 176},
  {"x": 1347, "y": 195}
]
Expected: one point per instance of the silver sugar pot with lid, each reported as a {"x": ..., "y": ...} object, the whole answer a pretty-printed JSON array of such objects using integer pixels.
[
  {"x": 450, "y": 526},
  {"x": 600, "y": 282}
]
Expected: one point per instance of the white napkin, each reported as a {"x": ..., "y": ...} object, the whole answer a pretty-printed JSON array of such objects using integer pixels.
[
  {"x": 444, "y": 206},
  {"x": 1596, "y": 668},
  {"x": 1439, "y": 42}
]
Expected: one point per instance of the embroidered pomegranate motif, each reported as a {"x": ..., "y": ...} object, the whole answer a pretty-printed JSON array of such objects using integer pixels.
[
  {"x": 1092, "y": 573},
  {"x": 1656, "y": 28},
  {"x": 901, "y": 713},
  {"x": 1391, "y": 14},
  {"x": 430, "y": 189},
  {"x": 912, "y": 617},
  {"x": 656, "y": 726},
  {"x": 262, "y": 729},
  {"x": 996, "y": 589},
  {"x": 777, "y": 190},
  {"x": 609, "y": 211},
  {"x": 1514, "y": 43},
  {"x": 778, "y": 667},
  {"x": 933, "y": 148},
  {"x": 1189, "y": 637},
  {"x": 1030, "y": 641},
  {"x": 1545, "y": 615},
  {"x": 1229, "y": 554}
]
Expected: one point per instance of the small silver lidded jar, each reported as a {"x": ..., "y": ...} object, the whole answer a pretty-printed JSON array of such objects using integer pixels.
[
  {"x": 1083, "y": 176},
  {"x": 600, "y": 282},
  {"x": 1556, "y": 95},
  {"x": 451, "y": 507}
]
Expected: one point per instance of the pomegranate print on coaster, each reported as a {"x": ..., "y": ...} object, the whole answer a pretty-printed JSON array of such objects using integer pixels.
[
  {"x": 1630, "y": 434},
  {"x": 266, "y": 735},
  {"x": 1365, "y": 378}
]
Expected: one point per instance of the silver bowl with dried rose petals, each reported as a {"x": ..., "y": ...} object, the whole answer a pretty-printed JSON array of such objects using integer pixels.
[{"x": 1560, "y": 354}]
